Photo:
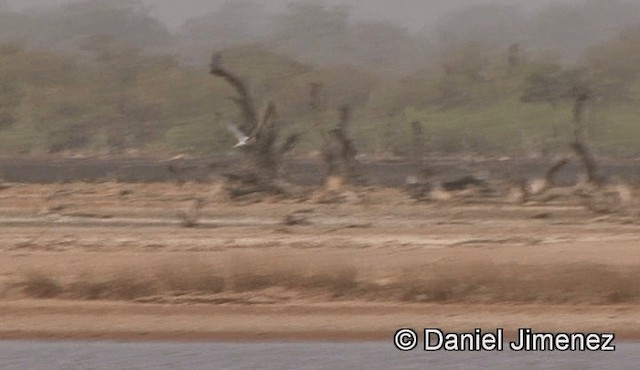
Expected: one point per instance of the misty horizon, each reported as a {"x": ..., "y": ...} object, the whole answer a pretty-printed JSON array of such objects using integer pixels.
[
  {"x": 414, "y": 14},
  {"x": 130, "y": 81},
  {"x": 566, "y": 28}
]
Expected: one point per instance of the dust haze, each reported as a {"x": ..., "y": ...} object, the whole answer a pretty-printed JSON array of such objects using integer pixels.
[
  {"x": 252, "y": 170},
  {"x": 413, "y": 13}
]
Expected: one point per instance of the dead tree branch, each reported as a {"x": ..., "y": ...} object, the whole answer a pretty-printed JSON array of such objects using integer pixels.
[
  {"x": 580, "y": 146},
  {"x": 262, "y": 170},
  {"x": 289, "y": 144},
  {"x": 550, "y": 176},
  {"x": 245, "y": 102},
  {"x": 339, "y": 152},
  {"x": 591, "y": 166}
]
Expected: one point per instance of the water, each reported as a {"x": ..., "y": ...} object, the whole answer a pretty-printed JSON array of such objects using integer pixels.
[{"x": 23, "y": 355}]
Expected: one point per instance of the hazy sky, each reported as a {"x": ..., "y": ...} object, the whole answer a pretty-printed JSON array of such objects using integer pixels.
[{"x": 412, "y": 13}]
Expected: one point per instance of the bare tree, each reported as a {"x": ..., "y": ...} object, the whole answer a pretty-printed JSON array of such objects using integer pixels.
[
  {"x": 554, "y": 84},
  {"x": 580, "y": 146},
  {"x": 262, "y": 170},
  {"x": 339, "y": 152}
]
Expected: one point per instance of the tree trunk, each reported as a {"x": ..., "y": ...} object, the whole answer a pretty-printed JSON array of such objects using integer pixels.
[{"x": 580, "y": 146}]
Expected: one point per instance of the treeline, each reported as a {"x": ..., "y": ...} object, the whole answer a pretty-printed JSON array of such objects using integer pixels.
[
  {"x": 318, "y": 34},
  {"x": 106, "y": 77}
]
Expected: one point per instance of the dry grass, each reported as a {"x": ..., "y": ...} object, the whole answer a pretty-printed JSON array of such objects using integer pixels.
[
  {"x": 256, "y": 272},
  {"x": 579, "y": 283},
  {"x": 486, "y": 283},
  {"x": 124, "y": 285},
  {"x": 339, "y": 283},
  {"x": 38, "y": 285},
  {"x": 189, "y": 276}
]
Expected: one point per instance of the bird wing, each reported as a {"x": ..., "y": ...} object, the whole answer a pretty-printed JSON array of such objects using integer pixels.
[{"x": 233, "y": 128}]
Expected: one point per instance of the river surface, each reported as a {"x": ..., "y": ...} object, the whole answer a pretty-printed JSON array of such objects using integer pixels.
[{"x": 26, "y": 355}]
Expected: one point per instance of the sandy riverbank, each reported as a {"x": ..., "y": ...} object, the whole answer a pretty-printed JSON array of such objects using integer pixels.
[{"x": 112, "y": 261}]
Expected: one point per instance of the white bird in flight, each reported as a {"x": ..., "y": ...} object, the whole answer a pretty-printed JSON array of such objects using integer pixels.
[{"x": 243, "y": 139}]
